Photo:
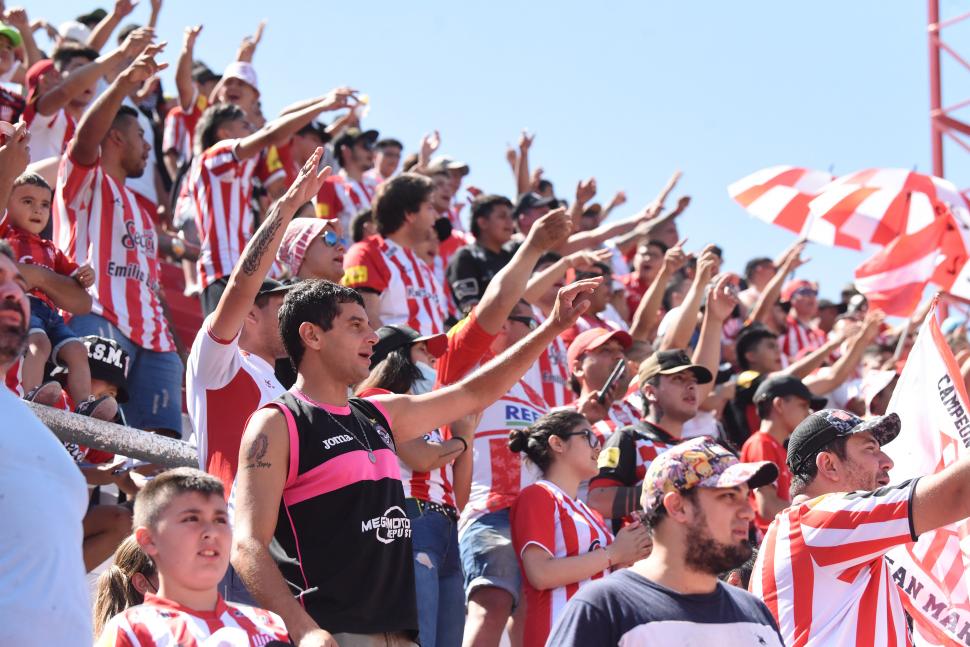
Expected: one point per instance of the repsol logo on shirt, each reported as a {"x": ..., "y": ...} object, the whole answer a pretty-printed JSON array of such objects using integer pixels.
[
  {"x": 329, "y": 443},
  {"x": 391, "y": 525},
  {"x": 516, "y": 416}
]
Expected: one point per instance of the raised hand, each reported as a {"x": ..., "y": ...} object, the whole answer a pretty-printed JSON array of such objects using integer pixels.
[
  {"x": 17, "y": 17},
  {"x": 15, "y": 151},
  {"x": 682, "y": 203},
  {"x": 707, "y": 264},
  {"x": 572, "y": 301},
  {"x": 551, "y": 230},
  {"x": 429, "y": 144},
  {"x": 308, "y": 182},
  {"x": 588, "y": 257},
  {"x": 144, "y": 67},
  {"x": 124, "y": 7},
  {"x": 525, "y": 141},
  {"x": 247, "y": 48},
  {"x": 619, "y": 198},
  {"x": 723, "y": 298},
  {"x": 189, "y": 37},
  {"x": 136, "y": 42},
  {"x": 585, "y": 190},
  {"x": 675, "y": 257},
  {"x": 511, "y": 156},
  {"x": 339, "y": 98}
]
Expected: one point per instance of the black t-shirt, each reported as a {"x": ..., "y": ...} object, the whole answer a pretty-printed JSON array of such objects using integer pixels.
[
  {"x": 628, "y": 607},
  {"x": 470, "y": 270},
  {"x": 343, "y": 538}
]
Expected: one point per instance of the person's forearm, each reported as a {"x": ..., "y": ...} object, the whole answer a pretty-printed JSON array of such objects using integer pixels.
[
  {"x": 708, "y": 351},
  {"x": 96, "y": 123},
  {"x": 586, "y": 239},
  {"x": 462, "y": 477},
  {"x": 301, "y": 105},
  {"x": 803, "y": 367},
  {"x": 76, "y": 82},
  {"x": 340, "y": 124},
  {"x": 842, "y": 369},
  {"x": 523, "y": 176},
  {"x": 615, "y": 502},
  {"x": 278, "y": 130},
  {"x": 423, "y": 455},
  {"x": 102, "y": 31},
  {"x": 627, "y": 241},
  {"x": 506, "y": 289},
  {"x": 183, "y": 79},
  {"x": 265, "y": 583},
  {"x": 542, "y": 282},
  {"x": 645, "y": 318},
  {"x": 32, "y": 53},
  {"x": 64, "y": 291},
  {"x": 546, "y": 572},
  {"x": 678, "y": 335},
  {"x": 769, "y": 296}
]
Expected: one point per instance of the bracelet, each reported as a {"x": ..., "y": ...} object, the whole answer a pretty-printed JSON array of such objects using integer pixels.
[{"x": 463, "y": 442}]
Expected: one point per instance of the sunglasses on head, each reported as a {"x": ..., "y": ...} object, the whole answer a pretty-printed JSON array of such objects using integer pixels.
[
  {"x": 331, "y": 239},
  {"x": 528, "y": 322},
  {"x": 591, "y": 437}
]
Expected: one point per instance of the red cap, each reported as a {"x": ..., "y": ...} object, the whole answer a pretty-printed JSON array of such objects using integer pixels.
[
  {"x": 792, "y": 286},
  {"x": 594, "y": 338},
  {"x": 37, "y": 70}
]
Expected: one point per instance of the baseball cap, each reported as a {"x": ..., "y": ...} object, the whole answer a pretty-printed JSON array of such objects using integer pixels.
[
  {"x": 270, "y": 286},
  {"x": 444, "y": 163},
  {"x": 351, "y": 136},
  {"x": 700, "y": 462},
  {"x": 33, "y": 76},
  {"x": 840, "y": 308},
  {"x": 668, "y": 362},
  {"x": 317, "y": 129},
  {"x": 390, "y": 338},
  {"x": 781, "y": 385},
  {"x": 592, "y": 339},
  {"x": 93, "y": 17},
  {"x": 12, "y": 33},
  {"x": 532, "y": 200},
  {"x": 107, "y": 361},
  {"x": 241, "y": 70},
  {"x": 822, "y": 427},
  {"x": 793, "y": 286},
  {"x": 201, "y": 73},
  {"x": 74, "y": 30},
  {"x": 296, "y": 240}
]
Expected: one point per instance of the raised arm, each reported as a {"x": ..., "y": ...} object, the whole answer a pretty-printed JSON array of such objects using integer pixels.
[
  {"x": 542, "y": 281},
  {"x": 263, "y": 464},
  {"x": 96, "y": 122},
  {"x": 153, "y": 17},
  {"x": 523, "y": 177},
  {"x": 247, "y": 48},
  {"x": 769, "y": 296},
  {"x": 843, "y": 367},
  {"x": 508, "y": 286},
  {"x": 260, "y": 251},
  {"x": 645, "y": 319},
  {"x": 678, "y": 335},
  {"x": 17, "y": 17},
  {"x": 281, "y": 129},
  {"x": 183, "y": 71},
  {"x": 14, "y": 156},
  {"x": 585, "y": 191},
  {"x": 103, "y": 30},
  {"x": 721, "y": 301},
  {"x": 413, "y": 415}
]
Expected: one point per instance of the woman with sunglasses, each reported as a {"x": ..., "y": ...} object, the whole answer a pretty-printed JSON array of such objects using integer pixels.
[
  {"x": 311, "y": 249},
  {"x": 560, "y": 542}
]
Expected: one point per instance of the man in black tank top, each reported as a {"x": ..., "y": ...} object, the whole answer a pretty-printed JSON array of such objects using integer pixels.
[{"x": 321, "y": 535}]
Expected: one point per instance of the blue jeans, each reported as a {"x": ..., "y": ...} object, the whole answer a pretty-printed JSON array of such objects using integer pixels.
[
  {"x": 154, "y": 379},
  {"x": 437, "y": 577},
  {"x": 488, "y": 557},
  {"x": 45, "y": 320}
]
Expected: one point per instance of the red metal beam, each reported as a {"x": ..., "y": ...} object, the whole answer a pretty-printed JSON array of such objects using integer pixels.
[{"x": 936, "y": 101}]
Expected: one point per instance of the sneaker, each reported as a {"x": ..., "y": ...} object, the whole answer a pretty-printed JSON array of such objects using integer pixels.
[
  {"x": 103, "y": 408},
  {"x": 47, "y": 394}
]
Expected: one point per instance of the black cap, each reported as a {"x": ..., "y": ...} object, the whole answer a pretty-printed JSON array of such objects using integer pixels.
[
  {"x": 532, "y": 200},
  {"x": 317, "y": 129},
  {"x": 668, "y": 362},
  {"x": 107, "y": 361},
  {"x": 201, "y": 73},
  {"x": 93, "y": 17},
  {"x": 390, "y": 338},
  {"x": 822, "y": 427},
  {"x": 840, "y": 308},
  {"x": 353, "y": 135},
  {"x": 269, "y": 286},
  {"x": 781, "y": 385}
]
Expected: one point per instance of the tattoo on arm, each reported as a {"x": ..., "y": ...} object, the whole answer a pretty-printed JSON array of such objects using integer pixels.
[
  {"x": 624, "y": 502},
  {"x": 257, "y": 452},
  {"x": 256, "y": 249}
]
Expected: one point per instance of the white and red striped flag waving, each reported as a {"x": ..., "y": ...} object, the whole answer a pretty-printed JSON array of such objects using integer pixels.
[
  {"x": 779, "y": 195},
  {"x": 932, "y": 573}
]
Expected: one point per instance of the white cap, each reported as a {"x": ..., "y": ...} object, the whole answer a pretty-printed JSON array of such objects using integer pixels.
[{"x": 74, "y": 30}]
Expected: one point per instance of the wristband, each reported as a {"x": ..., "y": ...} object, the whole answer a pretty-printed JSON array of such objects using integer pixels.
[{"x": 463, "y": 442}]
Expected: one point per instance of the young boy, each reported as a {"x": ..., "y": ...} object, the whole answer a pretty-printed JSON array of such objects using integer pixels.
[
  {"x": 28, "y": 212},
  {"x": 182, "y": 524}
]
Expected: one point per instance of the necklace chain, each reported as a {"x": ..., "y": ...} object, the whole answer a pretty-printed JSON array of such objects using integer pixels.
[{"x": 365, "y": 443}]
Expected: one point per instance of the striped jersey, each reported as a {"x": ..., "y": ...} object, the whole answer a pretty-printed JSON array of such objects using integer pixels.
[
  {"x": 49, "y": 134},
  {"x": 97, "y": 220},
  {"x": 31, "y": 249},
  {"x": 545, "y": 516},
  {"x": 822, "y": 570},
  {"x": 798, "y": 338},
  {"x": 343, "y": 197},
  {"x": 621, "y": 413},
  {"x": 409, "y": 292},
  {"x": 220, "y": 186},
  {"x": 178, "y": 133},
  {"x": 498, "y": 474},
  {"x": 550, "y": 375},
  {"x": 159, "y": 622}
]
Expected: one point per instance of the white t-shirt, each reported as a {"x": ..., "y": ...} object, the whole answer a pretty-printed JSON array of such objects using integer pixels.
[
  {"x": 43, "y": 596},
  {"x": 144, "y": 185}
]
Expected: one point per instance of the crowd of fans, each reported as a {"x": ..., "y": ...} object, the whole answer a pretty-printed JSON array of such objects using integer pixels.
[{"x": 424, "y": 413}]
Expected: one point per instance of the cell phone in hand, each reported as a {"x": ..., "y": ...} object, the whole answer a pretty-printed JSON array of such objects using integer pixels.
[{"x": 611, "y": 381}]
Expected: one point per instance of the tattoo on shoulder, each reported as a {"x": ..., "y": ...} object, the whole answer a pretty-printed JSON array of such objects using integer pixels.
[
  {"x": 257, "y": 452},
  {"x": 254, "y": 252}
]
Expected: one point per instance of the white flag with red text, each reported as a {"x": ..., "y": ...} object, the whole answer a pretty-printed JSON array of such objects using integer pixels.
[{"x": 932, "y": 573}]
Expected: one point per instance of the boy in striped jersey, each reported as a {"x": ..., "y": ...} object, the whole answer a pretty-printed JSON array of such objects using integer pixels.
[{"x": 182, "y": 524}]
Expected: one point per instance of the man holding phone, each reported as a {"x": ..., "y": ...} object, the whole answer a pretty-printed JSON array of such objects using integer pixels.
[{"x": 592, "y": 359}]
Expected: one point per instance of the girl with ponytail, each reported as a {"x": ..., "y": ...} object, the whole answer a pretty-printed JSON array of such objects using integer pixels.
[
  {"x": 124, "y": 584},
  {"x": 561, "y": 543}
]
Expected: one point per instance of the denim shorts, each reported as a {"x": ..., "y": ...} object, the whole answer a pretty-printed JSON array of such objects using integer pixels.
[
  {"x": 487, "y": 555},
  {"x": 154, "y": 379},
  {"x": 44, "y": 319}
]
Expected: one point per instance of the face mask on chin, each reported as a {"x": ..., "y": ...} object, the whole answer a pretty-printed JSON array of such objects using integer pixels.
[{"x": 425, "y": 383}]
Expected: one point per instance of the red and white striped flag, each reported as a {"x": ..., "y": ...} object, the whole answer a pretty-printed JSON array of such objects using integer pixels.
[
  {"x": 894, "y": 278},
  {"x": 932, "y": 573},
  {"x": 779, "y": 195}
]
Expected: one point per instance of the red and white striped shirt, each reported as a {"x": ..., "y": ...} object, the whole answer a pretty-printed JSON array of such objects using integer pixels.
[
  {"x": 498, "y": 474},
  {"x": 97, "y": 220},
  {"x": 550, "y": 375},
  {"x": 49, "y": 134},
  {"x": 409, "y": 292},
  {"x": 545, "y": 516},
  {"x": 343, "y": 197},
  {"x": 159, "y": 622},
  {"x": 621, "y": 413},
  {"x": 799, "y": 337},
  {"x": 223, "y": 387},
  {"x": 822, "y": 570},
  {"x": 220, "y": 186},
  {"x": 178, "y": 133}
]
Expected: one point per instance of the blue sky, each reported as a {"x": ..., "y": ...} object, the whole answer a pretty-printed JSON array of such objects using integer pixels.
[{"x": 626, "y": 92}]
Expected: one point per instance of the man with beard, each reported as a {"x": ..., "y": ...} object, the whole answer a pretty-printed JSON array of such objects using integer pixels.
[
  {"x": 821, "y": 568},
  {"x": 44, "y": 495},
  {"x": 695, "y": 505}
]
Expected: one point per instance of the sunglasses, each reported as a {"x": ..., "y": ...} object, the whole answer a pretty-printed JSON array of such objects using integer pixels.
[
  {"x": 591, "y": 437},
  {"x": 528, "y": 322},
  {"x": 331, "y": 239}
]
